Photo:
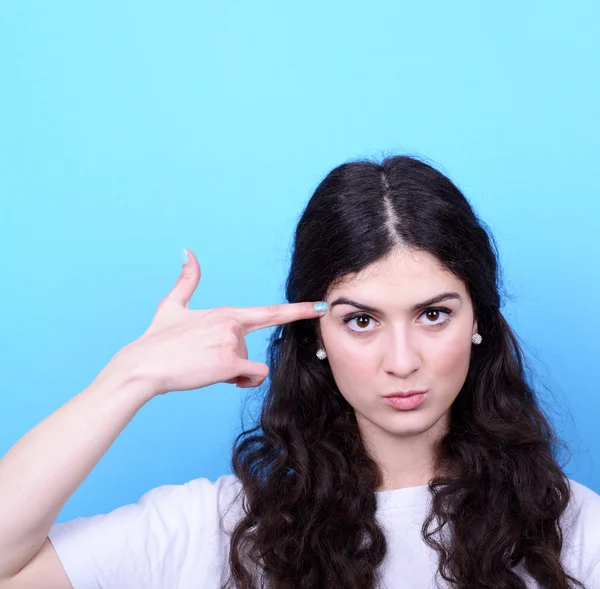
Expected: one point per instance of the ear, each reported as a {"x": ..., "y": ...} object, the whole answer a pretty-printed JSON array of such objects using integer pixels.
[
  {"x": 475, "y": 329},
  {"x": 318, "y": 337}
]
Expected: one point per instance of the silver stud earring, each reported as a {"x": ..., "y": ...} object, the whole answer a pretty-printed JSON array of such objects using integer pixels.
[
  {"x": 321, "y": 354},
  {"x": 476, "y": 339}
]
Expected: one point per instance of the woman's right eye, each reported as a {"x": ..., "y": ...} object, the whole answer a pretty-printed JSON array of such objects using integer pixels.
[{"x": 362, "y": 320}]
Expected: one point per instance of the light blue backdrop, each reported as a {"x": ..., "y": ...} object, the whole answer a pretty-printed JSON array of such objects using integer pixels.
[{"x": 131, "y": 129}]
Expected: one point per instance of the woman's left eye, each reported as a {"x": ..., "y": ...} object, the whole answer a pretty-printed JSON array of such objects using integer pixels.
[
  {"x": 363, "y": 317},
  {"x": 437, "y": 312}
]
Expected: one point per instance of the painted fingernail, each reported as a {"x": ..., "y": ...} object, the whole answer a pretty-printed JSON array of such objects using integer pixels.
[
  {"x": 320, "y": 307},
  {"x": 184, "y": 256}
]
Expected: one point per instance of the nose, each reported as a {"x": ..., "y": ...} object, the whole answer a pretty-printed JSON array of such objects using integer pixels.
[{"x": 401, "y": 355}]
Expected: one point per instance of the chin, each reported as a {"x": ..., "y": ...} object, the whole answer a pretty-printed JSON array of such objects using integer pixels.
[
  {"x": 408, "y": 429},
  {"x": 408, "y": 423}
]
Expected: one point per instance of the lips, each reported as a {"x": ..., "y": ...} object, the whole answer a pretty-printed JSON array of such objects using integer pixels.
[
  {"x": 406, "y": 403},
  {"x": 404, "y": 394}
]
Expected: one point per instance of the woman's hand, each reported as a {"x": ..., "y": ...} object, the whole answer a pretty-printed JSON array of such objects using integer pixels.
[{"x": 184, "y": 349}]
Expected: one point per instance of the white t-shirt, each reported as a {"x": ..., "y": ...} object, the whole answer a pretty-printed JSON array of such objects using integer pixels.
[{"x": 172, "y": 539}]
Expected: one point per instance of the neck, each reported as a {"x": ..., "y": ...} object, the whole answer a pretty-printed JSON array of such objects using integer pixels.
[{"x": 405, "y": 460}]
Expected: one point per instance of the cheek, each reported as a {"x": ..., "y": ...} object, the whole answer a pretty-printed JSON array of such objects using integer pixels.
[
  {"x": 450, "y": 357},
  {"x": 352, "y": 366},
  {"x": 353, "y": 361}
]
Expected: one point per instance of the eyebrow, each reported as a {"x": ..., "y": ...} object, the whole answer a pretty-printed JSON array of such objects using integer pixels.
[{"x": 432, "y": 301}]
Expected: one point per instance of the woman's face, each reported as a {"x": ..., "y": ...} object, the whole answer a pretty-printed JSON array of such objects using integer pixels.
[{"x": 403, "y": 343}]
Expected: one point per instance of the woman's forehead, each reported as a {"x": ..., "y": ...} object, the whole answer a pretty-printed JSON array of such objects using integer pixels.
[{"x": 409, "y": 275}]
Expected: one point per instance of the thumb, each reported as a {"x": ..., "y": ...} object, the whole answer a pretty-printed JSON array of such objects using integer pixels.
[
  {"x": 187, "y": 281},
  {"x": 255, "y": 372}
]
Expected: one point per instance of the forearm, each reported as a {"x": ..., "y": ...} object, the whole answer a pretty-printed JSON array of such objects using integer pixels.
[{"x": 45, "y": 467}]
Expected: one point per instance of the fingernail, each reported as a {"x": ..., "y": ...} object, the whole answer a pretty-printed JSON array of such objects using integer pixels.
[
  {"x": 320, "y": 307},
  {"x": 184, "y": 256}
]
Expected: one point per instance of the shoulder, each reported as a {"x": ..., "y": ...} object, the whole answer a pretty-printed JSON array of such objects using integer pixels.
[
  {"x": 584, "y": 502},
  {"x": 223, "y": 487},
  {"x": 172, "y": 532},
  {"x": 580, "y": 524},
  {"x": 196, "y": 505},
  {"x": 582, "y": 515},
  {"x": 200, "y": 499}
]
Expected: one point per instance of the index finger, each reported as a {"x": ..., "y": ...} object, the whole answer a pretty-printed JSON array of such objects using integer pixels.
[{"x": 253, "y": 318}]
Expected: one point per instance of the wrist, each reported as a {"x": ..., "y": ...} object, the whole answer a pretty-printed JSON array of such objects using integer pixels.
[{"x": 121, "y": 377}]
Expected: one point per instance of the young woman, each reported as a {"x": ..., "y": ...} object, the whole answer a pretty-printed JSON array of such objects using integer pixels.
[{"x": 400, "y": 443}]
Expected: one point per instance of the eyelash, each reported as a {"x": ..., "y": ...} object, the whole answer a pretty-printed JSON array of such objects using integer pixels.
[{"x": 433, "y": 325}]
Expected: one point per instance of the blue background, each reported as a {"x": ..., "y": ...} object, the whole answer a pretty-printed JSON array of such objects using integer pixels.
[{"x": 129, "y": 130}]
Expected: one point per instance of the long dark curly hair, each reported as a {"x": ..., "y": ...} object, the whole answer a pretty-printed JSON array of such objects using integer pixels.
[{"x": 309, "y": 483}]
